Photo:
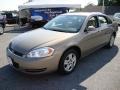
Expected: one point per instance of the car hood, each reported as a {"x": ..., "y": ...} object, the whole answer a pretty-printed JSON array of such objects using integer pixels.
[{"x": 27, "y": 41}]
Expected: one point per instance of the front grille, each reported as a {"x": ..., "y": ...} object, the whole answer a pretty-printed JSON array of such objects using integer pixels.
[{"x": 15, "y": 52}]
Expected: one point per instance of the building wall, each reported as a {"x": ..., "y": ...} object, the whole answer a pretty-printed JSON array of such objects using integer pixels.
[
  {"x": 109, "y": 10},
  {"x": 92, "y": 8}
]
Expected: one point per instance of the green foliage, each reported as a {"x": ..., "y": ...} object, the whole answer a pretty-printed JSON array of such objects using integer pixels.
[{"x": 109, "y": 2}]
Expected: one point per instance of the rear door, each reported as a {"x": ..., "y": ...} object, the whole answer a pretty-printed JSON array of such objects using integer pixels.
[{"x": 105, "y": 27}]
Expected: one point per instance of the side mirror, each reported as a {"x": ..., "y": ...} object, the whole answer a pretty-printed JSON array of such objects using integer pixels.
[{"x": 90, "y": 28}]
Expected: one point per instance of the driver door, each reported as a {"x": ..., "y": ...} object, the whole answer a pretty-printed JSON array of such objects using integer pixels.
[{"x": 92, "y": 37}]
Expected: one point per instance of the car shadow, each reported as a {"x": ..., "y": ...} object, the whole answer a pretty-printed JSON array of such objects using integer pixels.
[{"x": 12, "y": 80}]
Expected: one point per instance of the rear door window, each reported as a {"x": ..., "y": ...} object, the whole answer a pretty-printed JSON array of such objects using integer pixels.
[{"x": 102, "y": 20}]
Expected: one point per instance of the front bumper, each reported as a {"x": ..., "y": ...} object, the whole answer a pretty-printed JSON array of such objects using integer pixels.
[{"x": 33, "y": 65}]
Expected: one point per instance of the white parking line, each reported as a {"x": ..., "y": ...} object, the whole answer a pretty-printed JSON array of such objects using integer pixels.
[{"x": 118, "y": 33}]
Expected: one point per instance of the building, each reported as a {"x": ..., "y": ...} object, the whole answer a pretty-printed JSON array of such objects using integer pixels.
[{"x": 109, "y": 10}]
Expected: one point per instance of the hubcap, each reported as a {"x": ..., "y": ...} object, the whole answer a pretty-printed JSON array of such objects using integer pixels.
[
  {"x": 112, "y": 41},
  {"x": 70, "y": 62},
  {"x": 1, "y": 30}
]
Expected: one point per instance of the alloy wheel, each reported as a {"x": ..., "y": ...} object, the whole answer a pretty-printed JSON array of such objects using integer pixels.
[
  {"x": 70, "y": 62},
  {"x": 112, "y": 41}
]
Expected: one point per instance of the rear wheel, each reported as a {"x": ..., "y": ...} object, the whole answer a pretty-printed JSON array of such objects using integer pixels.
[
  {"x": 1, "y": 30},
  {"x": 111, "y": 42},
  {"x": 68, "y": 61}
]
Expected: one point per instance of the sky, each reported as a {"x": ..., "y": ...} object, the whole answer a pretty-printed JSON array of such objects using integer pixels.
[{"x": 13, "y": 4}]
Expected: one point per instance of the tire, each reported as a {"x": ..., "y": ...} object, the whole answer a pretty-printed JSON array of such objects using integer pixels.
[
  {"x": 111, "y": 42},
  {"x": 1, "y": 30},
  {"x": 68, "y": 61}
]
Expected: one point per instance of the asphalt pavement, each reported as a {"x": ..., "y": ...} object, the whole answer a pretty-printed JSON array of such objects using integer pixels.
[{"x": 98, "y": 71}]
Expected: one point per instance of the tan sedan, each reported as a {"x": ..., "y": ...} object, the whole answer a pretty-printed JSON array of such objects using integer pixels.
[{"x": 61, "y": 43}]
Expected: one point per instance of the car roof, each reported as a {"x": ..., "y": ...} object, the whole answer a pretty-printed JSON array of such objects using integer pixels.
[{"x": 84, "y": 13}]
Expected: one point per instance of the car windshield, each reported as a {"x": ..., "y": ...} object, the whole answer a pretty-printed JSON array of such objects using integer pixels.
[
  {"x": 117, "y": 15},
  {"x": 66, "y": 23}
]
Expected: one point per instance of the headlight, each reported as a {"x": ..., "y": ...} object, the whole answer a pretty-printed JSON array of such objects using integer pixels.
[{"x": 41, "y": 52}]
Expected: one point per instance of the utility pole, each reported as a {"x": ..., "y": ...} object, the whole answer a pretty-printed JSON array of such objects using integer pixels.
[{"x": 103, "y": 6}]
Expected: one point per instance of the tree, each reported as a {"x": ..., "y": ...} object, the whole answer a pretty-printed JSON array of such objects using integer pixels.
[{"x": 109, "y": 2}]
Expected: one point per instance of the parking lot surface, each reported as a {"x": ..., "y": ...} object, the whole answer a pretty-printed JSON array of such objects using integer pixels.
[{"x": 98, "y": 71}]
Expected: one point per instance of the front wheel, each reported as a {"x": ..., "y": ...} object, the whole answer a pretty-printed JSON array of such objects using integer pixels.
[
  {"x": 68, "y": 61},
  {"x": 111, "y": 42}
]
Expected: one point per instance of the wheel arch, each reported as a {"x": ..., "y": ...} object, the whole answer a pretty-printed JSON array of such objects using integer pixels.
[
  {"x": 69, "y": 48},
  {"x": 78, "y": 49}
]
